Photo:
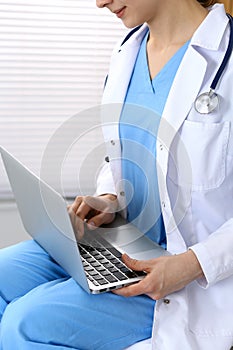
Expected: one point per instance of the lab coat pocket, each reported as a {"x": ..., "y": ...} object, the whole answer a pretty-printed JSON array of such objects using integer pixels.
[
  {"x": 210, "y": 311},
  {"x": 205, "y": 147}
]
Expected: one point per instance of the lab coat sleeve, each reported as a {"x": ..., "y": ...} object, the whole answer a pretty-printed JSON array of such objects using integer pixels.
[
  {"x": 215, "y": 255},
  {"x": 105, "y": 183}
]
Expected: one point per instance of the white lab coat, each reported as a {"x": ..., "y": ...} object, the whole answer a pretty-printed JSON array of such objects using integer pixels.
[{"x": 195, "y": 167}]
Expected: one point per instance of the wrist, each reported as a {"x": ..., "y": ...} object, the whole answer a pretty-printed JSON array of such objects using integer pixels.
[
  {"x": 193, "y": 265},
  {"x": 109, "y": 196},
  {"x": 111, "y": 202}
]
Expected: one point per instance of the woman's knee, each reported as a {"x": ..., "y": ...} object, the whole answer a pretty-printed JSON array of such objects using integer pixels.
[
  {"x": 23, "y": 267},
  {"x": 22, "y": 322},
  {"x": 13, "y": 268},
  {"x": 12, "y": 324}
]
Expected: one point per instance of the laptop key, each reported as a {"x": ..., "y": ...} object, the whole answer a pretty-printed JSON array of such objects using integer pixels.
[
  {"x": 103, "y": 261},
  {"x": 98, "y": 277},
  {"x": 119, "y": 265},
  {"x": 114, "y": 261},
  {"x": 108, "y": 255},
  {"x": 107, "y": 265},
  {"x": 112, "y": 269},
  {"x": 96, "y": 255},
  {"x": 130, "y": 274},
  {"x": 110, "y": 278},
  {"x": 100, "y": 268},
  {"x": 115, "y": 252},
  {"x": 119, "y": 276},
  {"x": 88, "y": 268},
  {"x": 104, "y": 273},
  {"x": 89, "y": 248},
  {"x": 125, "y": 269},
  {"x": 96, "y": 264},
  {"x": 93, "y": 273},
  {"x": 102, "y": 281}
]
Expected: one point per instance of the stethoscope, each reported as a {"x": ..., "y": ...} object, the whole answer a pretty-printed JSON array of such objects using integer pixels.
[{"x": 207, "y": 102}]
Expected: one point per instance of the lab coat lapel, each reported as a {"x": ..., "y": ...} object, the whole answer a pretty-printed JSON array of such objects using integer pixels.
[
  {"x": 121, "y": 68},
  {"x": 183, "y": 93},
  {"x": 190, "y": 76},
  {"x": 116, "y": 88}
]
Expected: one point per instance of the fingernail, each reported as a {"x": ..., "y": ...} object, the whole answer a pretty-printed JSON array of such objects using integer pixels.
[{"x": 91, "y": 225}]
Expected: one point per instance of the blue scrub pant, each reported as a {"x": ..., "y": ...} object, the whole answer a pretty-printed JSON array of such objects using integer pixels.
[{"x": 42, "y": 308}]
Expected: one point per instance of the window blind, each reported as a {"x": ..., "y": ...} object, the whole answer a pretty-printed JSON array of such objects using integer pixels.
[{"x": 54, "y": 56}]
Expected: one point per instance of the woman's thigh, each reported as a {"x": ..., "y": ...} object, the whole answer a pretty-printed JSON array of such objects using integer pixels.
[
  {"x": 23, "y": 267},
  {"x": 60, "y": 315}
]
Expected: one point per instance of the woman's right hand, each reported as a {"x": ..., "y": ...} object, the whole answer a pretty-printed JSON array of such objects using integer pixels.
[{"x": 95, "y": 211}]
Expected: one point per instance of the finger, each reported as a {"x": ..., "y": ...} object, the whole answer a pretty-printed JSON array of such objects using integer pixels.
[
  {"x": 135, "y": 289},
  {"x": 137, "y": 265},
  {"x": 102, "y": 204},
  {"x": 74, "y": 206},
  {"x": 91, "y": 207},
  {"x": 100, "y": 219},
  {"x": 84, "y": 211}
]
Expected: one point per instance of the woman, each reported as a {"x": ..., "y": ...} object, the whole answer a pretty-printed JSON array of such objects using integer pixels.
[{"x": 160, "y": 70}]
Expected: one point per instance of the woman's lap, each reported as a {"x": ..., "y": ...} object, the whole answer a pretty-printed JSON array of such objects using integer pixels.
[
  {"x": 23, "y": 267},
  {"x": 54, "y": 311}
]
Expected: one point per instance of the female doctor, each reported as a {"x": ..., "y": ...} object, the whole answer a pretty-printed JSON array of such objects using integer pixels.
[{"x": 157, "y": 76}]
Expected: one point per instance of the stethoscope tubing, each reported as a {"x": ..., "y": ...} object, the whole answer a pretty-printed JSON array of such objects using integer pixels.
[
  {"x": 207, "y": 102},
  {"x": 226, "y": 57}
]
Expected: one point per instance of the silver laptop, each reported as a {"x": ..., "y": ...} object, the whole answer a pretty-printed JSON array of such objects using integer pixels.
[{"x": 94, "y": 261}]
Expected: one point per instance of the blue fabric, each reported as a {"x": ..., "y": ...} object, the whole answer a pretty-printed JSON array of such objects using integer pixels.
[
  {"x": 46, "y": 309},
  {"x": 140, "y": 118}
]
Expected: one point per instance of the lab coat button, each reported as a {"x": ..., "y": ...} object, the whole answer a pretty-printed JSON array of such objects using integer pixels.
[
  {"x": 161, "y": 147},
  {"x": 163, "y": 204},
  {"x": 166, "y": 301},
  {"x": 122, "y": 193},
  {"x": 113, "y": 142},
  {"x": 107, "y": 159}
]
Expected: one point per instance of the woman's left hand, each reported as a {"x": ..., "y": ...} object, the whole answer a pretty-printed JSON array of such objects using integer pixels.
[{"x": 165, "y": 275}]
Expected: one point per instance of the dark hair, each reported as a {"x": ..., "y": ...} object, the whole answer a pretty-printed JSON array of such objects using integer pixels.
[{"x": 207, "y": 3}]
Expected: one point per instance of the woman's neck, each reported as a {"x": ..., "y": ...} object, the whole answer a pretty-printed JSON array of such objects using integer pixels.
[
  {"x": 170, "y": 30},
  {"x": 175, "y": 24}
]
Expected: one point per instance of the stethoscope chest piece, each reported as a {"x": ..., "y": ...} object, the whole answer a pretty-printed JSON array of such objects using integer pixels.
[{"x": 206, "y": 102}]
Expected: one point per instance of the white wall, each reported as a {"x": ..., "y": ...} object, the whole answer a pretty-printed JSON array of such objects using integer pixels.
[{"x": 11, "y": 227}]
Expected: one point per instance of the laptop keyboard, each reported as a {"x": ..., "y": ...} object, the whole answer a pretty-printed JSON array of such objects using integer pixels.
[{"x": 103, "y": 264}]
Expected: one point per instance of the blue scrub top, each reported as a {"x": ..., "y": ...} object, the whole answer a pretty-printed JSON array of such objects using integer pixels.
[{"x": 139, "y": 122}]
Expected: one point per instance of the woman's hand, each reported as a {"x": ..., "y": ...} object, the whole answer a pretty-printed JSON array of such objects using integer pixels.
[
  {"x": 165, "y": 275},
  {"x": 95, "y": 211}
]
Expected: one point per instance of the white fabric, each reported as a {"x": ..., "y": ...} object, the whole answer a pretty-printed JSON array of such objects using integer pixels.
[
  {"x": 142, "y": 345},
  {"x": 196, "y": 153}
]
